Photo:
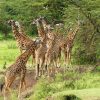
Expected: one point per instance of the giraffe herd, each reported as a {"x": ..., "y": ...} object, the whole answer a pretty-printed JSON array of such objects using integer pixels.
[{"x": 46, "y": 51}]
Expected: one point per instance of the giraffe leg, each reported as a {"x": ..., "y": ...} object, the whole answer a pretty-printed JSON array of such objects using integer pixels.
[
  {"x": 6, "y": 90},
  {"x": 69, "y": 59},
  {"x": 37, "y": 71},
  {"x": 7, "y": 85},
  {"x": 20, "y": 86},
  {"x": 48, "y": 69},
  {"x": 22, "y": 82},
  {"x": 55, "y": 66},
  {"x": 33, "y": 57},
  {"x": 37, "y": 67},
  {"x": 59, "y": 58},
  {"x": 65, "y": 60},
  {"x": 41, "y": 65}
]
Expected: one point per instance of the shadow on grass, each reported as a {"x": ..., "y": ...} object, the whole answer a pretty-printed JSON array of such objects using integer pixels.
[{"x": 71, "y": 97}]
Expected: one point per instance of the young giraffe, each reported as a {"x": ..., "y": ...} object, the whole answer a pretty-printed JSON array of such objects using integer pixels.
[
  {"x": 22, "y": 40},
  {"x": 41, "y": 49},
  {"x": 18, "y": 68}
]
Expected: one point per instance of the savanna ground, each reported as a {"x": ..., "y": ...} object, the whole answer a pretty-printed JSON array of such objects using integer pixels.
[{"x": 78, "y": 82}]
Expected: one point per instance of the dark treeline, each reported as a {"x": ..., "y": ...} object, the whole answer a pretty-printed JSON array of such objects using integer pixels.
[{"x": 86, "y": 48}]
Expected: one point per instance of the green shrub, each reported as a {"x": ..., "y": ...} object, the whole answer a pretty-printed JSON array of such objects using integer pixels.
[{"x": 42, "y": 90}]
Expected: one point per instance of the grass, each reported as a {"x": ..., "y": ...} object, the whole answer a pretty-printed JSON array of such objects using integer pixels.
[
  {"x": 84, "y": 94},
  {"x": 87, "y": 87},
  {"x": 9, "y": 51},
  {"x": 77, "y": 84}
]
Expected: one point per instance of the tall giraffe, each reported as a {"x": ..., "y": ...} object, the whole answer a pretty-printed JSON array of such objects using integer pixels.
[
  {"x": 18, "y": 68},
  {"x": 41, "y": 49},
  {"x": 22, "y": 40},
  {"x": 68, "y": 45},
  {"x": 52, "y": 54}
]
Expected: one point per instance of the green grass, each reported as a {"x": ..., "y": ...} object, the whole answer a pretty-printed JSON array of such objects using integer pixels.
[
  {"x": 75, "y": 83},
  {"x": 84, "y": 94},
  {"x": 9, "y": 51}
]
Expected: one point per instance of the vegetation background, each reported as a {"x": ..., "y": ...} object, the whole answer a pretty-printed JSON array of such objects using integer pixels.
[{"x": 86, "y": 49}]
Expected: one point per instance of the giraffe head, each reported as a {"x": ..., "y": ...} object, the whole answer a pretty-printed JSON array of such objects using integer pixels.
[
  {"x": 35, "y": 21},
  {"x": 46, "y": 26},
  {"x": 12, "y": 23}
]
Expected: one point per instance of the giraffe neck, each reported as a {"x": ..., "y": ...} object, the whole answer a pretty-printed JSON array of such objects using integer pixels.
[
  {"x": 25, "y": 56},
  {"x": 51, "y": 40},
  {"x": 74, "y": 33},
  {"x": 20, "y": 29},
  {"x": 40, "y": 29},
  {"x": 44, "y": 23},
  {"x": 15, "y": 31}
]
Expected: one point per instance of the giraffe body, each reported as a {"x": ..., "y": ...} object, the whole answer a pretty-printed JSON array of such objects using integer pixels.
[
  {"x": 41, "y": 49},
  {"x": 18, "y": 68},
  {"x": 52, "y": 54}
]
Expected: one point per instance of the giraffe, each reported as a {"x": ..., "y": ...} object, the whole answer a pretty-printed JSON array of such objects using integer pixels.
[
  {"x": 22, "y": 40},
  {"x": 68, "y": 44},
  {"x": 18, "y": 68},
  {"x": 52, "y": 54},
  {"x": 41, "y": 49}
]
